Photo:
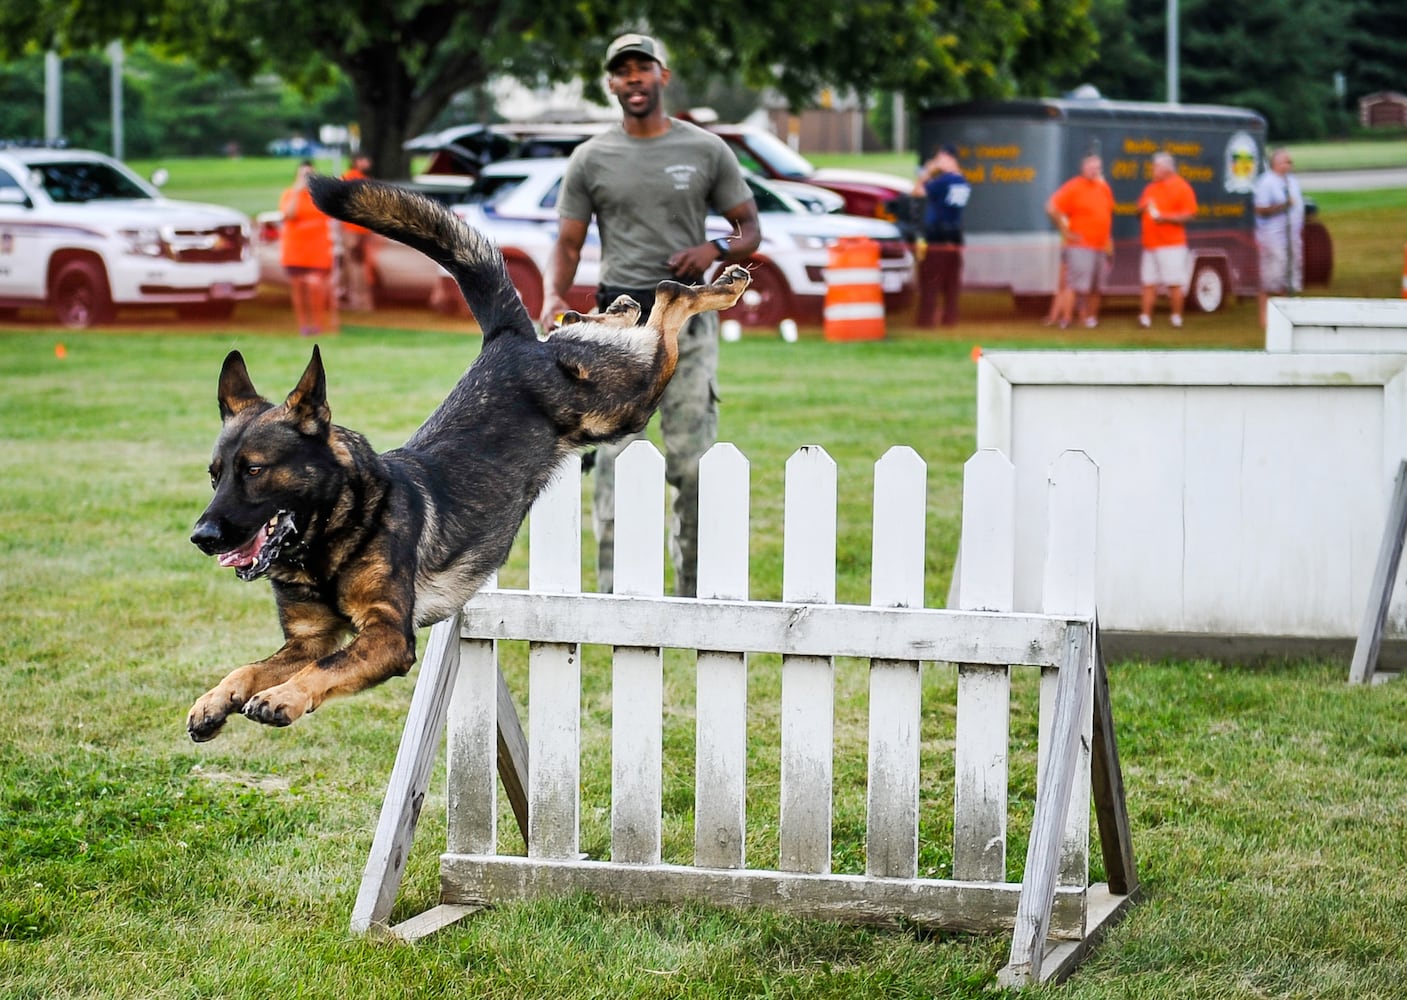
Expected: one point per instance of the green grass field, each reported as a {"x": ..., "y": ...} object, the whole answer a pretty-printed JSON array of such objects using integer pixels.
[{"x": 1267, "y": 802}]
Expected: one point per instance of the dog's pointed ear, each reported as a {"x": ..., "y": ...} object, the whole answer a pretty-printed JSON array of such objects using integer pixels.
[
  {"x": 307, "y": 403},
  {"x": 236, "y": 390},
  {"x": 574, "y": 370}
]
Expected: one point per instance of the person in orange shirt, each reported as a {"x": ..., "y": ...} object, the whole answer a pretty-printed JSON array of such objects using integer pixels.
[
  {"x": 1168, "y": 203},
  {"x": 1083, "y": 210},
  {"x": 305, "y": 251},
  {"x": 360, "y": 245}
]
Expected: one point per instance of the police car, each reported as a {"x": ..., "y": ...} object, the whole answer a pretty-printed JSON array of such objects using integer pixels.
[{"x": 82, "y": 234}]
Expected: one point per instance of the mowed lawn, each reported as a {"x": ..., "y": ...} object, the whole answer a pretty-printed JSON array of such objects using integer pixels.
[{"x": 1267, "y": 801}]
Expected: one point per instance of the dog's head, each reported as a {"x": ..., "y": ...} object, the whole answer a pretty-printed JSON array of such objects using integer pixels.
[{"x": 273, "y": 470}]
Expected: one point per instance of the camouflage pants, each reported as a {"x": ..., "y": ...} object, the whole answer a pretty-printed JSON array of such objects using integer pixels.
[{"x": 689, "y": 424}]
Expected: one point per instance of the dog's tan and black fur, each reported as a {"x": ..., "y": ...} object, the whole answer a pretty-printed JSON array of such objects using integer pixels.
[{"x": 369, "y": 546}]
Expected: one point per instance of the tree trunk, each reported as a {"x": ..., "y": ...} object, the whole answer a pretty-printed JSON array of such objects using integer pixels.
[{"x": 386, "y": 112}]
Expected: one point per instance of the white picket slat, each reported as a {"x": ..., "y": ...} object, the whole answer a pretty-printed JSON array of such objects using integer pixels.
[
  {"x": 720, "y": 755},
  {"x": 1068, "y": 589},
  {"x": 808, "y": 682},
  {"x": 637, "y": 678},
  {"x": 472, "y": 750},
  {"x": 980, "y": 770},
  {"x": 554, "y": 675},
  {"x": 896, "y": 580}
]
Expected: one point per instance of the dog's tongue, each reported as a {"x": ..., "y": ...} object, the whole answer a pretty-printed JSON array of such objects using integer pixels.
[{"x": 246, "y": 553}]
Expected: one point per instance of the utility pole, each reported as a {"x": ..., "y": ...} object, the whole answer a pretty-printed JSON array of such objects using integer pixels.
[
  {"x": 115, "y": 57},
  {"x": 1172, "y": 52},
  {"x": 53, "y": 96}
]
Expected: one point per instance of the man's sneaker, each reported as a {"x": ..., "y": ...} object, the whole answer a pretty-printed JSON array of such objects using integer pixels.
[
  {"x": 1177, "y": 322},
  {"x": 1091, "y": 322},
  {"x": 1145, "y": 320}
]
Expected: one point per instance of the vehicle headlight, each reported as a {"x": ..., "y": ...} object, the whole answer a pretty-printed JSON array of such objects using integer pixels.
[
  {"x": 810, "y": 242},
  {"x": 144, "y": 242}
]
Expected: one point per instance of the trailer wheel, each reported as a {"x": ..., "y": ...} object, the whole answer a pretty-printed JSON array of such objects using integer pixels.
[{"x": 1208, "y": 291}]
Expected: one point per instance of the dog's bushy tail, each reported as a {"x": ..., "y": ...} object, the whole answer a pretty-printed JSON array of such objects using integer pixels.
[{"x": 427, "y": 226}]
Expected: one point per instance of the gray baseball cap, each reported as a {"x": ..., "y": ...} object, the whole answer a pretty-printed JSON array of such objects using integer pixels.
[{"x": 636, "y": 45}]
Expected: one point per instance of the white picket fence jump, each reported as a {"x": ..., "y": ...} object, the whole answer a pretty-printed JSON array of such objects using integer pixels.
[{"x": 461, "y": 681}]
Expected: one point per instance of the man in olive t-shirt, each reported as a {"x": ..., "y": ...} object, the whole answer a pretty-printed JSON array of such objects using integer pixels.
[{"x": 651, "y": 183}]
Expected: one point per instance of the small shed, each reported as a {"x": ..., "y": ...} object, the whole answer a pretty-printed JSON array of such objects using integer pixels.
[{"x": 1385, "y": 109}]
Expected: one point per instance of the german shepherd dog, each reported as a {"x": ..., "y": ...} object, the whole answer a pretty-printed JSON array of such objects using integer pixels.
[{"x": 370, "y": 546}]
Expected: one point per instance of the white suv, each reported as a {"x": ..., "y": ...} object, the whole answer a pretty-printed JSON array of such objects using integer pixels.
[{"x": 83, "y": 234}]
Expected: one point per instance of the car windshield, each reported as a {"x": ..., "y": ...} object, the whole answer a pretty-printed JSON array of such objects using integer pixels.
[
  {"x": 490, "y": 189},
  {"x": 82, "y": 180},
  {"x": 768, "y": 200},
  {"x": 781, "y": 159}
]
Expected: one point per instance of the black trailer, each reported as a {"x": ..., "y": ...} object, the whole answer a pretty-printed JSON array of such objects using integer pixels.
[{"x": 1016, "y": 153}]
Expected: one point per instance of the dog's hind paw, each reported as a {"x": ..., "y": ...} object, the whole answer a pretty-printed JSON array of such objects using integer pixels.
[
  {"x": 278, "y": 706},
  {"x": 731, "y": 276}
]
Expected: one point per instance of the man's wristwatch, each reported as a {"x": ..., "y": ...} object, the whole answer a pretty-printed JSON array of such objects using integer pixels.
[{"x": 721, "y": 245}]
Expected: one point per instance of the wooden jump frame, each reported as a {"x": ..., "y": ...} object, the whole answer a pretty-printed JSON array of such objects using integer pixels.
[
  {"x": 1363, "y": 669},
  {"x": 1054, "y": 915}
]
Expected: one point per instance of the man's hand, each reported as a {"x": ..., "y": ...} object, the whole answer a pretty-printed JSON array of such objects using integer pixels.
[
  {"x": 552, "y": 307},
  {"x": 689, "y": 265}
]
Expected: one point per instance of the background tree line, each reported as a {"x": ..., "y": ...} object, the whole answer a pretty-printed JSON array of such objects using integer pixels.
[
  {"x": 201, "y": 79},
  {"x": 171, "y": 105},
  {"x": 1276, "y": 56}
]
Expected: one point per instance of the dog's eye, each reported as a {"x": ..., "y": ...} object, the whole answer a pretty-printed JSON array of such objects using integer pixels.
[{"x": 253, "y": 471}]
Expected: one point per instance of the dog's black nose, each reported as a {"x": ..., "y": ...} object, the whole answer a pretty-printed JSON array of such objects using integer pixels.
[{"x": 206, "y": 537}]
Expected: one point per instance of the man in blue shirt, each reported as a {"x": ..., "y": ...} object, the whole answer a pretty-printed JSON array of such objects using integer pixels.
[{"x": 946, "y": 191}]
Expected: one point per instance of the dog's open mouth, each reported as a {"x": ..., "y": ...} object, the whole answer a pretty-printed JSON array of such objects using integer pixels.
[{"x": 252, "y": 559}]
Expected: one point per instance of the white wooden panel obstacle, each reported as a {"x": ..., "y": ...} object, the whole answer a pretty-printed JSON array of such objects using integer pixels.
[
  {"x": 1054, "y": 913},
  {"x": 1336, "y": 326},
  {"x": 1376, "y": 326},
  {"x": 1242, "y": 494}
]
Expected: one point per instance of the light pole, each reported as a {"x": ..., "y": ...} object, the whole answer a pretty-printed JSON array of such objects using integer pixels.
[
  {"x": 1172, "y": 52},
  {"x": 115, "y": 56},
  {"x": 53, "y": 96}
]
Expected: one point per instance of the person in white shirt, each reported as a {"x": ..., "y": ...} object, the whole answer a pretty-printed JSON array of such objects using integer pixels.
[{"x": 1279, "y": 230}]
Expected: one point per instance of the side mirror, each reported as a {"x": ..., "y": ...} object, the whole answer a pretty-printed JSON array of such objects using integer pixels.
[{"x": 160, "y": 176}]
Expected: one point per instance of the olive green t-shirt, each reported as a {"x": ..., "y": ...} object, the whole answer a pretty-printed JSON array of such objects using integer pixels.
[{"x": 650, "y": 196}]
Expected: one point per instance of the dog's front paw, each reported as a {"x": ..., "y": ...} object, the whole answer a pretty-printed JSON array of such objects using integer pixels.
[
  {"x": 278, "y": 706},
  {"x": 207, "y": 716}
]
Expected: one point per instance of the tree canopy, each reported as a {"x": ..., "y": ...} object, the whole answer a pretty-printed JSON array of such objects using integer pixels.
[
  {"x": 1278, "y": 57},
  {"x": 406, "y": 59}
]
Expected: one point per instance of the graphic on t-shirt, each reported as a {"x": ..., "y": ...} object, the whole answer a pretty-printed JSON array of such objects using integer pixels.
[{"x": 683, "y": 174}]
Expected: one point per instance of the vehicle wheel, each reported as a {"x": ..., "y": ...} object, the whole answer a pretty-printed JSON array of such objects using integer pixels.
[
  {"x": 767, "y": 301},
  {"x": 80, "y": 295},
  {"x": 206, "y": 310},
  {"x": 1208, "y": 291},
  {"x": 528, "y": 282}
]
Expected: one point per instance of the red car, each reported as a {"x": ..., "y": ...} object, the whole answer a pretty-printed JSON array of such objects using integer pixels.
[{"x": 866, "y": 192}]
